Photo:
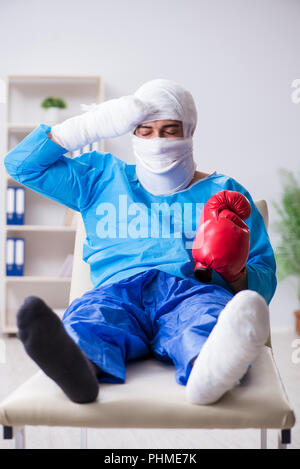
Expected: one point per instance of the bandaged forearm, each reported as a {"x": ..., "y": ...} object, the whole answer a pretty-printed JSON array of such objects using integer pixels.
[
  {"x": 240, "y": 284},
  {"x": 110, "y": 119}
]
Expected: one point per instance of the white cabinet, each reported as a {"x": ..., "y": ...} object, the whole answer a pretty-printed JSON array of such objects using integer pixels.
[{"x": 48, "y": 238}]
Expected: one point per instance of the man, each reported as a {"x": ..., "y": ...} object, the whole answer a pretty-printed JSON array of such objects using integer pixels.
[{"x": 141, "y": 222}]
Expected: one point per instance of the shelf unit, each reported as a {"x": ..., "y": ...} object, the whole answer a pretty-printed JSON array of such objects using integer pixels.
[{"x": 47, "y": 240}]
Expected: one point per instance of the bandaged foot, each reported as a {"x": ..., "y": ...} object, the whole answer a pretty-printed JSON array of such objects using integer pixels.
[
  {"x": 109, "y": 119},
  {"x": 48, "y": 344},
  {"x": 234, "y": 343}
]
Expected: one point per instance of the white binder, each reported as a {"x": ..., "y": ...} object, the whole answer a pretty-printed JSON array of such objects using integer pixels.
[
  {"x": 10, "y": 255},
  {"x": 10, "y": 248},
  {"x": 20, "y": 205},
  {"x": 10, "y": 205},
  {"x": 19, "y": 255}
]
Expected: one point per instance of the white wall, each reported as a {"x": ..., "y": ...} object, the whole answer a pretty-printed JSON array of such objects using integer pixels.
[{"x": 237, "y": 57}]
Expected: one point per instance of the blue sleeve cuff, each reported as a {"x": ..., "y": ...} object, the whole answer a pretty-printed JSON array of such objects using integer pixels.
[{"x": 262, "y": 280}]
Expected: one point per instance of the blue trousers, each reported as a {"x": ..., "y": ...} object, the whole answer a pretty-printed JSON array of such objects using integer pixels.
[{"x": 148, "y": 314}]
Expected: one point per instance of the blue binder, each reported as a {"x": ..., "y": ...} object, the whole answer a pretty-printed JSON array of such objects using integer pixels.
[
  {"x": 19, "y": 205},
  {"x": 15, "y": 254}
]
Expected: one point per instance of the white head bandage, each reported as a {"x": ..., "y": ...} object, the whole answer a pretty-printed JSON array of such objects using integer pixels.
[{"x": 165, "y": 165}]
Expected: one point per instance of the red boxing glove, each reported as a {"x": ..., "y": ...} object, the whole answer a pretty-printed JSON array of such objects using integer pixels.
[{"x": 222, "y": 241}]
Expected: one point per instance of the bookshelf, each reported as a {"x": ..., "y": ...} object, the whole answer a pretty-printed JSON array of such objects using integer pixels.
[{"x": 48, "y": 229}]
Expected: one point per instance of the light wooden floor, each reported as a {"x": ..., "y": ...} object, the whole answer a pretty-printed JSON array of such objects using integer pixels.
[{"x": 18, "y": 367}]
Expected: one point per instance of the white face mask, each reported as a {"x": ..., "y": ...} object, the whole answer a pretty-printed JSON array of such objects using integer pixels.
[{"x": 164, "y": 165}]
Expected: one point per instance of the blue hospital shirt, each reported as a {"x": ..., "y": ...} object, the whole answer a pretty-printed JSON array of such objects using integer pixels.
[{"x": 128, "y": 229}]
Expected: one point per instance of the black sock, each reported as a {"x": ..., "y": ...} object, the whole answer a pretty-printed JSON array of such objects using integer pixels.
[{"x": 49, "y": 345}]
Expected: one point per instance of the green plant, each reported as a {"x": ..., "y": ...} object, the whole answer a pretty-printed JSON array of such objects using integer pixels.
[
  {"x": 287, "y": 253},
  {"x": 51, "y": 101}
]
